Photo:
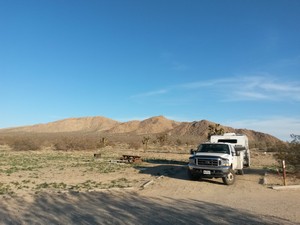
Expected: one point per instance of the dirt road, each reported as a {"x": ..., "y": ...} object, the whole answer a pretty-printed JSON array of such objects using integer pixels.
[{"x": 169, "y": 199}]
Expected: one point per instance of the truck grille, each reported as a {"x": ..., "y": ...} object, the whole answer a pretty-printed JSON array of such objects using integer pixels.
[{"x": 207, "y": 162}]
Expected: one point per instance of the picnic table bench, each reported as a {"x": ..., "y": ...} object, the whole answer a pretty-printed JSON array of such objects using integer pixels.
[{"x": 131, "y": 158}]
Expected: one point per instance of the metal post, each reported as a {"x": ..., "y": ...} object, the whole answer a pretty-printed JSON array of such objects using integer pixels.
[{"x": 284, "y": 172}]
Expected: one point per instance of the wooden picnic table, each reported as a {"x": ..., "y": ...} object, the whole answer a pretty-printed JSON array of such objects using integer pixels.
[{"x": 132, "y": 158}]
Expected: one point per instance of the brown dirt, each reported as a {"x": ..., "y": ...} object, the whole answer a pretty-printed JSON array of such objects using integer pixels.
[{"x": 161, "y": 193}]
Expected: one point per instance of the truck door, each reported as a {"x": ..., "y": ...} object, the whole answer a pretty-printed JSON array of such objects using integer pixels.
[{"x": 234, "y": 157}]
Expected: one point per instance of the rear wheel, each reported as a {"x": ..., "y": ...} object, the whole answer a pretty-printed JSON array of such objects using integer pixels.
[
  {"x": 240, "y": 172},
  {"x": 229, "y": 178}
]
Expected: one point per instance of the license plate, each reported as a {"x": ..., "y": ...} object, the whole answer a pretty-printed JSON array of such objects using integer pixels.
[{"x": 206, "y": 172}]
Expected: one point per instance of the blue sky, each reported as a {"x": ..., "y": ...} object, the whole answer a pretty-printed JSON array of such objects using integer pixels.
[{"x": 232, "y": 62}]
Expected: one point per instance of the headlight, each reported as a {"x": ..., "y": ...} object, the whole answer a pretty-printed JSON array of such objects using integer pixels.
[
  {"x": 224, "y": 162},
  {"x": 192, "y": 160}
]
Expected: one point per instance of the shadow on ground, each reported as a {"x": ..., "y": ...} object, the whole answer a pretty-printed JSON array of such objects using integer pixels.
[
  {"x": 178, "y": 170},
  {"x": 169, "y": 168},
  {"x": 121, "y": 208},
  {"x": 255, "y": 171}
]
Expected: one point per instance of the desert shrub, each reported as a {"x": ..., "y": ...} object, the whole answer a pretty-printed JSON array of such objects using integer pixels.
[
  {"x": 290, "y": 152},
  {"x": 61, "y": 144},
  {"x": 24, "y": 144},
  {"x": 75, "y": 143},
  {"x": 67, "y": 141},
  {"x": 134, "y": 145},
  {"x": 178, "y": 142},
  {"x": 162, "y": 139}
]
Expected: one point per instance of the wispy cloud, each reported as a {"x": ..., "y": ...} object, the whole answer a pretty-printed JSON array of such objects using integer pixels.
[
  {"x": 280, "y": 127},
  {"x": 150, "y": 93},
  {"x": 206, "y": 83},
  {"x": 269, "y": 88},
  {"x": 236, "y": 88},
  {"x": 241, "y": 88},
  {"x": 250, "y": 95}
]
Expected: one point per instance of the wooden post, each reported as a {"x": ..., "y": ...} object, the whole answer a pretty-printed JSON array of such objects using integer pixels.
[{"x": 284, "y": 172}]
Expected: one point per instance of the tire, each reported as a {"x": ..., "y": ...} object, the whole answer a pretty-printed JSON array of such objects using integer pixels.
[
  {"x": 229, "y": 179},
  {"x": 192, "y": 175},
  {"x": 240, "y": 172}
]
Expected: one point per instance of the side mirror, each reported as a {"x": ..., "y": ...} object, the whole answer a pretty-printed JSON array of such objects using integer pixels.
[
  {"x": 192, "y": 151},
  {"x": 233, "y": 153}
]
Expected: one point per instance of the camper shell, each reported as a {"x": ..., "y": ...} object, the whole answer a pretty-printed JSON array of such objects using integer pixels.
[{"x": 240, "y": 142}]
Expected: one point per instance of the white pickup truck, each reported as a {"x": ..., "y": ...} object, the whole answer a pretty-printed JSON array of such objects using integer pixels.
[{"x": 222, "y": 157}]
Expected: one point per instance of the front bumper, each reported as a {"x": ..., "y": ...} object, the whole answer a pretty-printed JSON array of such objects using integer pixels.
[{"x": 209, "y": 172}]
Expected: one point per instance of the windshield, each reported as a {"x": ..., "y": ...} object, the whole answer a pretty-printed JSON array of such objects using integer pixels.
[{"x": 214, "y": 148}]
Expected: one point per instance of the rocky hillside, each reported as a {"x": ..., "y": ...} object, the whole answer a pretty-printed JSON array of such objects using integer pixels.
[
  {"x": 84, "y": 124},
  {"x": 153, "y": 125}
]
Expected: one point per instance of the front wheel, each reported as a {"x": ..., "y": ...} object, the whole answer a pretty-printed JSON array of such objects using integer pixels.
[{"x": 229, "y": 178}]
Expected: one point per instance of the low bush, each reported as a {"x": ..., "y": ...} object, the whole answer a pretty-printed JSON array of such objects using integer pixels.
[
  {"x": 24, "y": 144},
  {"x": 75, "y": 143},
  {"x": 135, "y": 145},
  {"x": 290, "y": 152}
]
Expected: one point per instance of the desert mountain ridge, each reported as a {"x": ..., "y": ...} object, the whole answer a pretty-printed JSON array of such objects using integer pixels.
[
  {"x": 152, "y": 125},
  {"x": 96, "y": 123}
]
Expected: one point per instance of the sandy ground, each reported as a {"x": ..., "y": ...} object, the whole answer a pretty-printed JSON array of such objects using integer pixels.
[{"x": 161, "y": 193}]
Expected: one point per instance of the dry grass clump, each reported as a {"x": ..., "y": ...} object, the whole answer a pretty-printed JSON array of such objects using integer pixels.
[{"x": 26, "y": 170}]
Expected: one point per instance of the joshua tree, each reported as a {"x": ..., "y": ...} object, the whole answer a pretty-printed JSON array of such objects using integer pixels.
[
  {"x": 215, "y": 130},
  {"x": 103, "y": 142},
  {"x": 162, "y": 139},
  {"x": 145, "y": 142},
  {"x": 296, "y": 138}
]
